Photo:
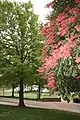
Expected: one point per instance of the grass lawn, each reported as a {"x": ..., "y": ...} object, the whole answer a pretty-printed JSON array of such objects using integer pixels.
[
  {"x": 16, "y": 113},
  {"x": 30, "y": 95}
]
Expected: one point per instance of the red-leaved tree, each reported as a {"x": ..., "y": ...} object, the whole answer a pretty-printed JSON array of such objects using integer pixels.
[{"x": 61, "y": 51}]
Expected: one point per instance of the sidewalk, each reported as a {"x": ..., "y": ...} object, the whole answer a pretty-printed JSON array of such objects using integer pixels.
[{"x": 72, "y": 107}]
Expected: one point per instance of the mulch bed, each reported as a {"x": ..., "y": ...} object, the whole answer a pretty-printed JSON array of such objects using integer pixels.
[{"x": 51, "y": 99}]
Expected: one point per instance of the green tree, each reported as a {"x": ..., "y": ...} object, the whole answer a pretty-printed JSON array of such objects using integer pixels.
[{"x": 21, "y": 41}]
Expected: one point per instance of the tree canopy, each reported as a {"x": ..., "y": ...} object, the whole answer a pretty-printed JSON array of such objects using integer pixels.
[
  {"x": 61, "y": 51},
  {"x": 20, "y": 41}
]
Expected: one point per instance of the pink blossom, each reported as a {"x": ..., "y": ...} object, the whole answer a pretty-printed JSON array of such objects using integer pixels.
[
  {"x": 67, "y": 8},
  {"x": 42, "y": 69},
  {"x": 78, "y": 77},
  {"x": 49, "y": 5},
  {"x": 71, "y": 38},
  {"x": 61, "y": 17},
  {"x": 74, "y": 10},
  {"x": 77, "y": 1},
  {"x": 77, "y": 27},
  {"x": 62, "y": 32},
  {"x": 77, "y": 59},
  {"x": 50, "y": 62},
  {"x": 72, "y": 19},
  {"x": 79, "y": 66},
  {"x": 51, "y": 40},
  {"x": 51, "y": 83}
]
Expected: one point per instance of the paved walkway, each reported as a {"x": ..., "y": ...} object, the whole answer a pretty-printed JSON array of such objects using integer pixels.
[{"x": 72, "y": 107}]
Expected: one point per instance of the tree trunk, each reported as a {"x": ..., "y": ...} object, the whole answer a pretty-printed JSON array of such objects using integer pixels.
[
  {"x": 3, "y": 90},
  {"x": 39, "y": 94},
  {"x": 21, "y": 97},
  {"x": 12, "y": 90},
  {"x": 31, "y": 89},
  {"x": 39, "y": 91}
]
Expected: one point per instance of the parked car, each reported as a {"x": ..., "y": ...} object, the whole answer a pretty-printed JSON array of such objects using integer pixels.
[
  {"x": 27, "y": 89},
  {"x": 17, "y": 89},
  {"x": 34, "y": 87},
  {"x": 45, "y": 90}
]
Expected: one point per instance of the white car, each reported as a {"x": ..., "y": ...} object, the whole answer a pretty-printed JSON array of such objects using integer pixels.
[
  {"x": 45, "y": 90},
  {"x": 35, "y": 88},
  {"x": 27, "y": 89},
  {"x": 17, "y": 89}
]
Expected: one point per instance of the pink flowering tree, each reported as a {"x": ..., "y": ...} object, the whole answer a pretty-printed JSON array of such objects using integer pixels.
[{"x": 61, "y": 51}]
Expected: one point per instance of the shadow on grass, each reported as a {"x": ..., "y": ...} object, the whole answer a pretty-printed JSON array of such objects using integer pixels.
[{"x": 15, "y": 113}]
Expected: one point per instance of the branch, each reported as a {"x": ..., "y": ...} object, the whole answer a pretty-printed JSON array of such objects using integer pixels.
[
  {"x": 17, "y": 50},
  {"x": 25, "y": 56}
]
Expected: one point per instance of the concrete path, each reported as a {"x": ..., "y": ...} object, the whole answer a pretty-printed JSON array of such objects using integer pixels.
[{"x": 72, "y": 107}]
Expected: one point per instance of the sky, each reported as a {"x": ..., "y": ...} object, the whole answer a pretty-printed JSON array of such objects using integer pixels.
[{"x": 39, "y": 7}]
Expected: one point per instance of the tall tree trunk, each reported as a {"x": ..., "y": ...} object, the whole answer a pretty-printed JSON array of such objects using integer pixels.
[
  {"x": 12, "y": 90},
  {"x": 21, "y": 96},
  {"x": 3, "y": 90},
  {"x": 31, "y": 89},
  {"x": 21, "y": 93},
  {"x": 39, "y": 94},
  {"x": 39, "y": 91}
]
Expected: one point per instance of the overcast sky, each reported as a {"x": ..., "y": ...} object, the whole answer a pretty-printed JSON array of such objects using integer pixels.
[{"x": 39, "y": 7}]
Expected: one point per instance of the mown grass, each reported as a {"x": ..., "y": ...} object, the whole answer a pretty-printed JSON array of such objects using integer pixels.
[
  {"x": 16, "y": 113},
  {"x": 29, "y": 95}
]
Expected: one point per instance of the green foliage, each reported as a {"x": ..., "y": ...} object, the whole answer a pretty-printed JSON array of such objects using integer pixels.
[
  {"x": 20, "y": 41},
  {"x": 65, "y": 72},
  {"x": 66, "y": 67}
]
